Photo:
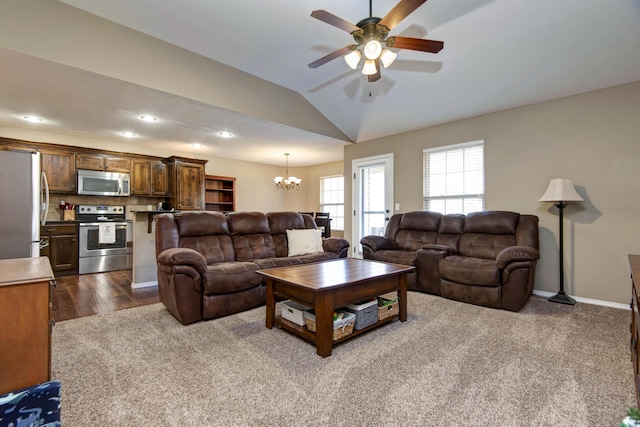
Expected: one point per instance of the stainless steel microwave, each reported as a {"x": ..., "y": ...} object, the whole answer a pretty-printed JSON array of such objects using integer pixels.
[{"x": 99, "y": 183}]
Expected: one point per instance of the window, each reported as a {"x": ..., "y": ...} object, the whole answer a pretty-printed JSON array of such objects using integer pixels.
[
  {"x": 332, "y": 199},
  {"x": 454, "y": 178}
]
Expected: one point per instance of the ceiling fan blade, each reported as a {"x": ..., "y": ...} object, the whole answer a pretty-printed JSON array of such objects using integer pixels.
[
  {"x": 375, "y": 77},
  {"x": 400, "y": 11},
  {"x": 333, "y": 55},
  {"x": 331, "y": 19},
  {"x": 397, "y": 42}
]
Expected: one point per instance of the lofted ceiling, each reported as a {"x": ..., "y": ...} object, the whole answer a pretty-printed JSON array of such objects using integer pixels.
[{"x": 498, "y": 54}]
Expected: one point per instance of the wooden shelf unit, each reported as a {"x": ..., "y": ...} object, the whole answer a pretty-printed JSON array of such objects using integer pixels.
[{"x": 220, "y": 193}]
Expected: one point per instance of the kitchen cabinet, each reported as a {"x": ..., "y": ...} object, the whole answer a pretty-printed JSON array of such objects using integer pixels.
[
  {"x": 219, "y": 193},
  {"x": 60, "y": 168},
  {"x": 187, "y": 183},
  {"x": 103, "y": 163},
  {"x": 149, "y": 178},
  {"x": 25, "y": 316},
  {"x": 62, "y": 246},
  {"x": 159, "y": 179}
]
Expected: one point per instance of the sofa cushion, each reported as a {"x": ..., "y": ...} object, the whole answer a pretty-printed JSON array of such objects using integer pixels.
[
  {"x": 470, "y": 270},
  {"x": 277, "y": 262},
  {"x": 215, "y": 248},
  {"x": 201, "y": 223},
  {"x": 280, "y": 222},
  {"x": 253, "y": 246},
  {"x": 396, "y": 256},
  {"x": 321, "y": 256},
  {"x": 227, "y": 277},
  {"x": 417, "y": 229},
  {"x": 251, "y": 236},
  {"x": 491, "y": 222},
  {"x": 304, "y": 242},
  {"x": 484, "y": 245}
]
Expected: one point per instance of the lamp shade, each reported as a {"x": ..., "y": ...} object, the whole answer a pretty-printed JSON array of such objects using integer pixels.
[
  {"x": 561, "y": 190},
  {"x": 372, "y": 49},
  {"x": 353, "y": 58},
  {"x": 387, "y": 57},
  {"x": 369, "y": 68}
]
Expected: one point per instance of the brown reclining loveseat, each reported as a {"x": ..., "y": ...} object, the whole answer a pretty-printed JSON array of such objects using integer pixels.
[
  {"x": 486, "y": 258},
  {"x": 207, "y": 261}
]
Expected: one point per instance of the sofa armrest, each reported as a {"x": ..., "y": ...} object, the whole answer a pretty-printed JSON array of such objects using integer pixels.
[
  {"x": 516, "y": 253},
  {"x": 378, "y": 243},
  {"x": 444, "y": 248},
  {"x": 183, "y": 256},
  {"x": 336, "y": 245}
]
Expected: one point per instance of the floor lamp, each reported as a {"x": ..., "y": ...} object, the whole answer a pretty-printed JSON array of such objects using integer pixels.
[{"x": 561, "y": 191}]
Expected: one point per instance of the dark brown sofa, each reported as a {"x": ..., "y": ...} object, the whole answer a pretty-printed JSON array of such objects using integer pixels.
[
  {"x": 486, "y": 258},
  {"x": 207, "y": 261}
]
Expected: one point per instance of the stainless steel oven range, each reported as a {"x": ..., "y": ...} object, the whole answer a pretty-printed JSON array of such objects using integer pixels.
[{"x": 104, "y": 239}]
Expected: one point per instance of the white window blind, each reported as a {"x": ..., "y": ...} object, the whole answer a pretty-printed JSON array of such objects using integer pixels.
[
  {"x": 454, "y": 178},
  {"x": 332, "y": 199}
]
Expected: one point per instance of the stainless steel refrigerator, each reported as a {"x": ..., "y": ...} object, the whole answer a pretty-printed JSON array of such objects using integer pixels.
[{"x": 24, "y": 201}]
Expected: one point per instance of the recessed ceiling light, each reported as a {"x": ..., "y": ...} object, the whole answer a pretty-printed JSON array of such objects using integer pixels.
[
  {"x": 127, "y": 134},
  {"x": 148, "y": 118},
  {"x": 197, "y": 145},
  {"x": 225, "y": 134},
  {"x": 33, "y": 119}
]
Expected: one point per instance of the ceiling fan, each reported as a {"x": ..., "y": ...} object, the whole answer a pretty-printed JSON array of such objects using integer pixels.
[{"x": 370, "y": 33}]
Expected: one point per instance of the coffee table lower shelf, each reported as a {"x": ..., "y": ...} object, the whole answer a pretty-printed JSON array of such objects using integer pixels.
[{"x": 310, "y": 336}]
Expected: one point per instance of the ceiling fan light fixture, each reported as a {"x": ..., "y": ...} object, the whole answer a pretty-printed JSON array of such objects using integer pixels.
[
  {"x": 352, "y": 59},
  {"x": 372, "y": 49},
  {"x": 387, "y": 57},
  {"x": 369, "y": 68}
]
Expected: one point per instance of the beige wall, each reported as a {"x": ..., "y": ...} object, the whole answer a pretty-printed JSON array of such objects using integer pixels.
[
  {"x": 254, "y": 181},
  {"x": 593, "y": 138}
]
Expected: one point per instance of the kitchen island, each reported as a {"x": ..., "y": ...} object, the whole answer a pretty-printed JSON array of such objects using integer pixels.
[{"x": 145, "y": 272}]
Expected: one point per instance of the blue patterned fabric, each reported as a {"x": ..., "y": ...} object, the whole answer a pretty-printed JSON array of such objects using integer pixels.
[{"x": 37, "y": 406}]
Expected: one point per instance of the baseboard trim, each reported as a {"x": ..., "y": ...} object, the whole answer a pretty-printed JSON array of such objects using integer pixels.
[
  {"x": 144, "y": 284},
  {"x": 586, "y": 300}
]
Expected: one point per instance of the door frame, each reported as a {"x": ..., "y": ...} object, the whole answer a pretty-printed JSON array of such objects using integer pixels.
[{"x": 388, "y": 161}]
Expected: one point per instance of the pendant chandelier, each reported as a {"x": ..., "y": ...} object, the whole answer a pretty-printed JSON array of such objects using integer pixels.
[{"x": 287, "y": 182}]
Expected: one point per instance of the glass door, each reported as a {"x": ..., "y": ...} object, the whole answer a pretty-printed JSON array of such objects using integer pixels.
[{"x": 372, "y": 197}]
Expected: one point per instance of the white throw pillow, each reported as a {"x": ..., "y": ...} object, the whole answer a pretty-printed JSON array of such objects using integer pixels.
[{"x": 304, "y": 242}]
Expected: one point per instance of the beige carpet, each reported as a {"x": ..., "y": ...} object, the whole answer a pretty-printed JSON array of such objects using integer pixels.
[{"x": 449, "y": 364}]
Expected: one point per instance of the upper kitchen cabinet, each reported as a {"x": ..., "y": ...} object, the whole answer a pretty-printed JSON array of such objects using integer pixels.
[
  {"x": 60, "y": 169},
  {"x": 103, "y": 163},
  {"x": 187, "y": 183},
  {"x": 149, "y": 178},
  {"x": 159, "y": 178}
]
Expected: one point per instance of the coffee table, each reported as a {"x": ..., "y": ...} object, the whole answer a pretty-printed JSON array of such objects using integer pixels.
[{"x": 328, "y": 285}]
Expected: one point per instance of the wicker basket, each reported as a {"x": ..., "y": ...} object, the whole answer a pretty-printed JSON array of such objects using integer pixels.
[
  {"x": 387, "y": 310},
  {"x": 341, "y": 328}
]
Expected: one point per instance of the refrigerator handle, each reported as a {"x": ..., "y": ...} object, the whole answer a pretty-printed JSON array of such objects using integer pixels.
[{"x": 44, "y": 208}]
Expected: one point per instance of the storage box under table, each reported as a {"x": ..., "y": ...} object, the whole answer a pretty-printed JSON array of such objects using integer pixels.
[
  {"x": 294, "y": 312},
  {"x": 366, "y": 313},
  {"x": 387, "y": 308},
  {"x": 341, "y": 328}
]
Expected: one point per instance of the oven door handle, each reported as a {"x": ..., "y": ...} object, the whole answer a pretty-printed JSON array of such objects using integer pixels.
[{"x": 96, "y": 224}]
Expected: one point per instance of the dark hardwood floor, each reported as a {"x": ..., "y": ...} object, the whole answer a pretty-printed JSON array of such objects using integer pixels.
[{"x": 89, "y": 294}]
